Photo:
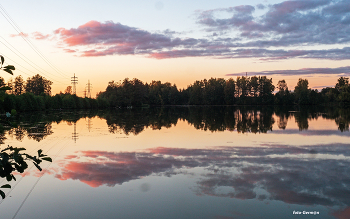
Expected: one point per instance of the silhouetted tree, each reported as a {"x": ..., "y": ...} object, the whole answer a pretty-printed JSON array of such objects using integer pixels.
[
  {"x": 38, "y": 84},
  {"x": 242, "y": 88},
  {"x": 283, "y": 97},
  {"x": 342, "y": 84},
  {"x": 18, "y": 85},
  {"x": 213, "y": 92},
  {"x": 2, "y": 82},
  {"x": 301, "y": 91},
  {"x": 254, "y": 86},
  {"x": 68, "y": 90},
  {"x": 266, "y": 88},
  {"x": 10, "y": 85},
  {"x": 282, "y": 86},
  {"x": 196, "y": 93},
  {"x": 229, "y": 91}
]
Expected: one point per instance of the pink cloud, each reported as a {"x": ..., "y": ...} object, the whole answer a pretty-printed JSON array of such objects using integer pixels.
[
  {"x": 69, "y": 50},
  {"x": 109, "y": 38},
  {"x": 284, "y": 25},
  {"x": 20, "y": 34},
  {"x": 40, "y": 36},
  {"x": 108, "y": 33}
]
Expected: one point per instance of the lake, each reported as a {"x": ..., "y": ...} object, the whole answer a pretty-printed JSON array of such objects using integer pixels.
[{"x": 183, "y": 162}]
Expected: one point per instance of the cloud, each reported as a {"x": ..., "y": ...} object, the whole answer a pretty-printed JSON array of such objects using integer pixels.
[
  {"x": 116, "y": 168},
  {"x": 111, "y": 38},
  {"x": 288, "y": 23},
  {"x": 242, "y": 16},
  {"x": 35, "y": 35},
  {"x": 224, "y": 52},
  {"x": 272, "y": 35},
  {"x": 40, "y": 36},
  {"x": 326, "y": 132},
  {"x": 286, "y": 173},
  {"x": 69, "y": 50},
  {"x": 19, "y": 34},
  {"x": 304, "y": 71}
]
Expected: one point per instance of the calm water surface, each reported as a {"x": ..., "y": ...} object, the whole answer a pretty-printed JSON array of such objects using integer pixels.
[{"x": 196, "y": 162}]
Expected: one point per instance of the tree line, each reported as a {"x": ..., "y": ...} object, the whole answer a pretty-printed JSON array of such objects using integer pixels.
[
  {"x": 35, "y": 94},
  {"x": 256, "y": 90}
]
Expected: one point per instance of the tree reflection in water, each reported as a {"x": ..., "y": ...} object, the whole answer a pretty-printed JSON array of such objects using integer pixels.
[
  {"x": 303, "y": 175},
  {"x": 127, "y": 121}
]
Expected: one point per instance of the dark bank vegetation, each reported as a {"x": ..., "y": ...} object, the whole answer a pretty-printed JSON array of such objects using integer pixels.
[
  {"x": 13, "y": 159},
  {"x": 35, "y": 94},
  {"x": 218, "y": 91}
]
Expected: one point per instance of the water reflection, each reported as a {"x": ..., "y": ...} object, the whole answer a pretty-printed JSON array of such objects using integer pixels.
[
  {"x": 306, "y": 175},
  {"x": 37, "y": 132},
  {"x": 286, "y": 166},
  {"x": 242, "y": 120}
]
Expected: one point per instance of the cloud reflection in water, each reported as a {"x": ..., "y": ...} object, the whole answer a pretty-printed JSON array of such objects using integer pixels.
[{"x": 305, "y": 175}]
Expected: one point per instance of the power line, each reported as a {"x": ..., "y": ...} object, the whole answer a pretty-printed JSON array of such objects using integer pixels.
[
  {"x": 25, "y": 56},
  {"x": 25, "y": 38},
  {"x": 27, "y": 170},
  {"x": 24, "y": 59},
  {"x": 27, "y": 69},
  {"x": 42, "y": 174},
  {"x": 19, "y": 65}
]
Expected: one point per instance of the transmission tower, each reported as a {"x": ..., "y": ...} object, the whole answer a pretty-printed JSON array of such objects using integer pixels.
[
  {"x": 89, "y": 124},
  {"x": 89, "y": 89},
  {"x": 85, "y": 93},
  {"x": 74, "y": 82},
  {"x": 75, "y": 134}
]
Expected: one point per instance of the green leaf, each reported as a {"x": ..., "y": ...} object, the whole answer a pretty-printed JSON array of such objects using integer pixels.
[
  {"x": 19, "y": 168},
  {"x": 6, "y": 186},
  {"x": 8, "y": 71},
  {"x": 37, "y": 166},
  {"x": 47, "y": 159},
  {"x": 2, "y": 194},
  {"x": 10, "y": 67},
  {"x": 21, "y": 149}
]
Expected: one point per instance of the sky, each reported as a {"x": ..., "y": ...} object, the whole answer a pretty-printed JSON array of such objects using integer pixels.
[{"x": 176, "y": 41}]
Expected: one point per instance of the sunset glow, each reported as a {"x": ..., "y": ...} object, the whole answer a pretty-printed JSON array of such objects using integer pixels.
[{"x": 177, "y": 42}]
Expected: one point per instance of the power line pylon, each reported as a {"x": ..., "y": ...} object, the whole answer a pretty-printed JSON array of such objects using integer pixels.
[
  {"x": 85, "y": 93},
  {"x": 74, "y": 82},
  {"x": 75, "y": 134},
  {"x": 89, "y": 89},
  {"x": 89, "y": 124}
]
